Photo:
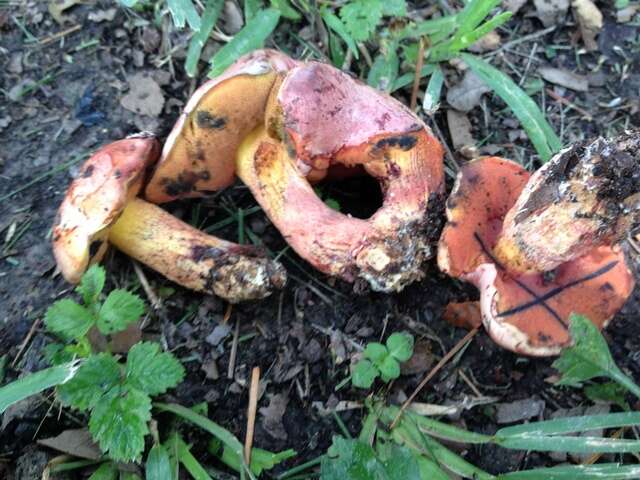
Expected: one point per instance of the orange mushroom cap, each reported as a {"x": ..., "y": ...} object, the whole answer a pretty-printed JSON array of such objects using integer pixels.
[
  {"x": 526, "y": 313},
  {"x": 320, "y": 117},
  {"x": 95, "y": 199}
]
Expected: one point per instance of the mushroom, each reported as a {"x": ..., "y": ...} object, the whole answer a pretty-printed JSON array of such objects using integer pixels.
[
  {"x": 318, "y": 119},
  {"x": 101, "y": 207},
  {"x": 526, "y": 312}
]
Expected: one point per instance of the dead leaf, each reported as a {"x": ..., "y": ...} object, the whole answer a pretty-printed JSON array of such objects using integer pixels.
[
  {"x": 122, "y": 341},
  {"x": 460, "y": 131},
  {"x": 463, "y": 315},
  {"x": 590, "y": 20},
  {"x": 514, "y": 6},
  {"x": 272, "y": 416},
  {"x": 232, "y": 17},
  {"x": 519, "y": 410},
  {"x": 564, "y": 78},
  {"x": 145, "y": 96},
  {"x": 550, "y": 12},
  {"x": 56, "y": 7},
  {"x": 102, "y": 15},
  {"x": 421, "y": 360},
  {"x": 486, "y": 43},
  {"x": 466, "y": 94},
  {"x": 78, "y": 443},
  {"x": 625, "y": 15}
]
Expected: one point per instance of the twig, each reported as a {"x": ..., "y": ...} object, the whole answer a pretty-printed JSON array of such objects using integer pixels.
[
  {"x": 469, "y": 383},
  {"x": 251, "y": 413},
  {"x": 151, "y": 295},
  {"x": 26, "y": 341},
  {"x": 234, "y": 351},
  {"x": 58, "y": 35},
  {"x": 524, "y": 39},
  {"x": 416, "y": 78},
  {"x": 570, "y": 104},
  {"x": 433, "y": 372}
]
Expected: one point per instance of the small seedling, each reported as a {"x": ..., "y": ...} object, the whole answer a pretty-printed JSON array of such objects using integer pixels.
[{"x": 383, "y": 361}]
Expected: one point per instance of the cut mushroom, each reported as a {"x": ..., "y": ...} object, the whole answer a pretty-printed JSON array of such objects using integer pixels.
[
  {"x": 524, "y": 312},
  {"x": 320, "y": 118},
  {"x": 100, "y": 207},
  {"x": 587, "y": 196},
  {"x": 199, "y": 154}
]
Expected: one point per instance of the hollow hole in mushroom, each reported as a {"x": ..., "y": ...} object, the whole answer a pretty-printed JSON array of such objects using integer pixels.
[{"x": 359, "y": 196}]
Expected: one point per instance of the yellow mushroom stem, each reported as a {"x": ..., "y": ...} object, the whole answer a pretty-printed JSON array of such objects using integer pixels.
[{"x": 192, "y": 258}]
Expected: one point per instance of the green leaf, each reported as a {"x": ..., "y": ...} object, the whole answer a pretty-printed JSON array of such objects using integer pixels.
[
  {"x": 182, "y": 10},
  {"x": 68, "y": 320},
  {"x": 335, "y": 24},
  {"x": 185, "y": 457},
  {"x": 384, "y": 70},
  {"x": 119, "y": 423},
  {"x": 120, "y": 309},
  {"x": 252, "y": 36},
  {"x": 286, "y": 10},
  {"x": 408, "y": 78},
  {"x": 106, "y": 471},
  {"x": 605, "y": 471},
  {"x": 152, "y": 371},
  {"x": 610, "y": 392},
  {"x": 209, "y": 18},
  {"x": 91, "y": 284},
  {"x": 95, "y": 377},
  {"x": 432, "y": 94},
  {"x": 473, "y": 14},
  {"x": 158, "y": 466},
  {"x": 361, "y": 18},
  {"x": 261, "y": 460},
  {"x": 34, "y": 383},
  {"x": 333, "y": 204},
  {"x": 589, "y": 357},
  {"x": 524, "y": 108},
  {"x": 400, "y": 345},
  {"x": 389, "y": 369},
  {"x": 567, "y": 425},
  {"x": 251, "y": 7},
  {"x": 394, "y": 8},
  {"x": 364, "y": 373},
  {"x": 376, "y": 352}
]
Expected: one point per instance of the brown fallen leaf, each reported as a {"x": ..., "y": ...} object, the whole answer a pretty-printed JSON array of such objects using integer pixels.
[
  {"x": 551, "y": 12},
  {"x": 145, "y": 96},
  {"x": 78, "y": 443},
  {"x": 460, "y": 130},
  {"x": 514, "y": 6},
  {"x": 466, "y": 94},
  {"x": 56, "y": 7},
  {"x": 272, "y": 416},
  {"x": 590, "y": 21},
  {"x": 625, "y": 15},
  {"x": 463, "y": 315},
  {"x": 486, "y": 43},
  {"x": 421, "y": 360},
  {"x": 564, "y": 78}
]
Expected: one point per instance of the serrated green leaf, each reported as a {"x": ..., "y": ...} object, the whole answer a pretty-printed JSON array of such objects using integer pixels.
[
  {"x": 364, "y": 373},
  {"x": 68, "y": 320},
  {"x": 389, "y": 369},
  {"x": 95, "y": 377},
  {"x": 376, "y": 352},
  {"x": 184, "y": 10},
  {"x": 589, "y": 357},
  {"x": 400, "y": 346},
  {"x": 252, "y": 36},
  {"x": 158, "y": 465},
  {"x": 335, "y": 24},
  {"x": 361, "y": 18},
  {"x": 91, "y": 284},
  {"x": 119, "y": 423},
  {"x": 106, "y": 471},
  {"x": 524, "y": 108},
  {"x": 394, "y": 8},
  {"x": 119, "y": 310},
  {"x": 34, "y": 383},
  {"x": 209, "y": 18},
  {"x": 607, "y": 392},
  {"x": 152, "y": 371}
]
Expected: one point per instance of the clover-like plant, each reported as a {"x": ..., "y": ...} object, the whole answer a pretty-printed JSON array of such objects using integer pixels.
[{"x": 382, "y": 361}]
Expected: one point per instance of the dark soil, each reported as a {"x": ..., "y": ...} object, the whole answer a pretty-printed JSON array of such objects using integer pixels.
[{"x": 303, "y": 337}]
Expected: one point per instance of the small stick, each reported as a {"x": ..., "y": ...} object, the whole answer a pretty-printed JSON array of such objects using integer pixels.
[
  {"x": 151, "y": 295},
  {"x": 469, "y": 383},
  {"x": 234, "y": 351},
  {"x": 58, "y": 35},
  {"x": 26, "y": 341},
  {"x": 416, "y": 78},
  {"x": 251, "y": 413},
  {"x": 433, "y": 372},
  {"x": 570, "y": 104}
]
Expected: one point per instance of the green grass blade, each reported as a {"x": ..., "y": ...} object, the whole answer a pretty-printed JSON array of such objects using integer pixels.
[
  {"x": 433, "y": 92},
  {"x": 407, "y": 78},
  {"x": 572, "y": 424},
  {"x": 184, "y": 10},
  {"x": 605, "y": 471},
  {"x": 465, "y": 41},
  {"x": 209, "y": 18},
  {"x": 252, "y": 36},
  {"x": 335, "y": 24},
  {"x": 439, "y": 429},
  {"x": 384, "y": 70},
  {"x": 286, "y": 10},
  {"x": 524, "y": 108},
  {"x": 190, "y": 462},
  {"x": 473, "y": 14},
  {"x": 35, "y": 383},
  {"x": 442, "y": 27},
  {"x": 570, "y": 444}
]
